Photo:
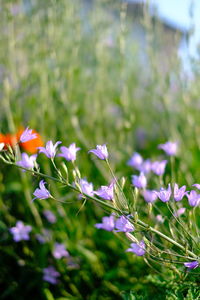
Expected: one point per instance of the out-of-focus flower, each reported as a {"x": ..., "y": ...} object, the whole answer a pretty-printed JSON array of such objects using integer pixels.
[
  {"x": 164, "y": 194},
  {"x": 193, "y": 198},
  {"x": 51, "y": 218},
  {"x": 160, "y": 219},
  {"x": 197, "y": 185},
  {"x": 108, "y": 223},
  {"x": 138, "y": 249},
  {"x": 50, "y": 275},
  {"x": 27, "y": 135},
  {"x": 191, "y": 265},
  {"x": 179, "y": 212},
  {"x": 158, "y": 167},
  {"x": 69, "y": 153},
  {"x": 135, "y": 161},
  {"x": 86, "y": 187},
  {"x": 179, "y": 193},
  {"x": 149, "y": 196},
  {"x": 170, "y": 148},
  {"x": 139, "y": 181},
  {"x": 20, "y": 231},
  {"x": 100, "y": 151},
  {"x": 42, "y": 192},
  {"x": 44, "y": 237},
  {"x": 60, "y": 251},
  {"x": 27, "y": 161},
  {"x": 145, "y": 167},
  {"x": 50, "y": 149},
  {"x": 106, "y": 192},
  {"x": 122, "y": 224}
]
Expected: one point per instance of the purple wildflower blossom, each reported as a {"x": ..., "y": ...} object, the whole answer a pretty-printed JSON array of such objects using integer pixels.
[
  {"x": 170, "y": 148},
  {"x": 106, "y": 192},
  {"x": 51, "y": 218},
  {"x": 50, "y": 149},
  {"x": 86, "y": 187},
  {"x": 60, "y": 251},
  {"x": 164, "y": 194},
  {"x": 42, "y": 192},
  {"x": 108, "y": 223},
  {"x": 139, "y": 181},
  {"x": 69, "y": 153},
  {"x": 160, "y": 219},
  {"x": 100, "y": 151},
  {"x": 27, "y": 135},
  {"x": 179, "y": 193},
  {"x": 197, "y": 185},
  {"x": 138, "y": 249},
  {"x": 193, "y": 198},
  {"x": 135, "y": 161},
  {"x": 179, "y": 212},
  {"x": 20, "y": 231},
  {"x": 27, "y": 161},
  {"x": 50, "y": 275},
  {"x": 145, "y": 167},
  {"x": 122, "y": 224},
  {"x": 158, "y": 167},
  {"x": 191, "y": 265},
  {"x": 149, "y": 196}
]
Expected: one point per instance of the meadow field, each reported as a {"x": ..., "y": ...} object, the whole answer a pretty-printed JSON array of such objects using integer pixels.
[{"x": 72, "y": 72}]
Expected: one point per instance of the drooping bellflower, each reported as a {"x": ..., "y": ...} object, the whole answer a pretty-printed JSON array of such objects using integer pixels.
[
  {"x": 138, "y": 249},
  {"x": 69, "y": 153},
  {"x": 27, "y": 161},
  {"x": 158, "y": 167},
  {"x": 170, "y": 148},
  {"x": 41, "y": 192},
  {"x": 50, "y": 149},
  {"x": 135, "y": 161},
  {"x": 108, "y": 223},
  {"x": 122, "y": 224},
  {"x": 139, "y": 181},
  {"x": 106, "y": 192},
  {"x": 191, "y": 265},
  {"x": 86, "y": 187},
  {"x": 101, "y": 151},
  {"x": 27, "y": 135}
]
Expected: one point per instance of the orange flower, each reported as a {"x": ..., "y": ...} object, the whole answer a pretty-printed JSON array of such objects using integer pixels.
[{"x": 32, "y": 145}]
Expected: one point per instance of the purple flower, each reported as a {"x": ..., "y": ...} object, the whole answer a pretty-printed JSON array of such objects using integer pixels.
[
  {"x": 149, "y": 196},
  {"x": 138, "y": 249},
  {"x": 51, "y": 218},
  {"x": 193, "y": 198},
  {"x": 60, "y": 251},
  {"x": 100, "y": 151},
  {"x": 50, "y": 275},
  {"x": 106, "y": 192},
  {"x": 70, "y": 152},
  {"x": 27, "y": 161},
  {"x": 145, "y": 167},
  {"x": 86, "y": 187},
  {"x": 169, "y": 148},
  {"x": 42, "y": 192},
  {"x": 27, "y": 135},
  {"x": 179, "y": 212},
  {"x": 160, "y": 219},
  {"x": 179, "y": 193},
  {"x": 122, "y": 224},
  {"x": 108, "y": 223},
  {"x": 135, "y": 161},
  {"x": 164, "y": 194},
  {"x": 50, "y": 149},
  {"x": 197, "y": 185},
  {"x": 20, "y": 231},
  {"x": 158, "y": 167},
  {"x": 191, "y": 265},
  {"x": 139, "y": 181},
  {"x": 44, "y": 237}
]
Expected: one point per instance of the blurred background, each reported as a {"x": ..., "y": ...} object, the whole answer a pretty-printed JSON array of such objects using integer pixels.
[{"x": 124, "y": 73}]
